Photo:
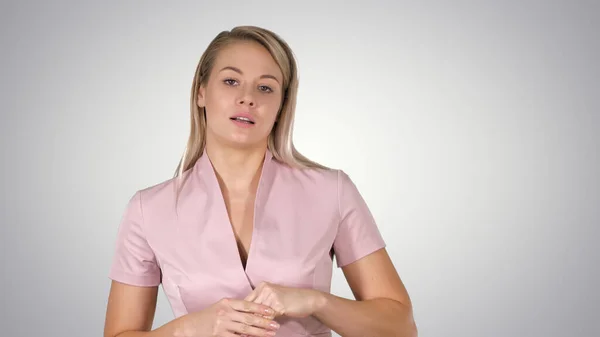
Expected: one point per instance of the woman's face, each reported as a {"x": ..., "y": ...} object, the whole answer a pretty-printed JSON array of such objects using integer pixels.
[{"x": 242, "y": 96}]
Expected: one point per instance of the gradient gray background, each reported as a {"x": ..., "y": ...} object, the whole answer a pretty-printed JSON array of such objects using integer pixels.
[{"x": 471, "y": 129}]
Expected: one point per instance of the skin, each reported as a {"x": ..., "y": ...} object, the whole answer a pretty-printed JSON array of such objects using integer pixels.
[{"x": 246, "y": 78}]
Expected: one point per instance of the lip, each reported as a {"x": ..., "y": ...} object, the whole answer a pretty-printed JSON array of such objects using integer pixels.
[{"x": 245, "y": 115}]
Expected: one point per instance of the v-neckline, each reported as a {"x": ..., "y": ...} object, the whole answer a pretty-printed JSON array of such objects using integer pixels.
[{"x": 232, "y": 244}]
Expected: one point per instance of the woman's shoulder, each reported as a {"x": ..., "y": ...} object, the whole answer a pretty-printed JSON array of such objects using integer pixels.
[
  {"x": 163, "y": 191},
  {"x": 317, "y": 176}
]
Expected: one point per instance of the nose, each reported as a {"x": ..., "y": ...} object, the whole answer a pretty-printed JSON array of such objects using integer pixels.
[
  {"x": 246, "y": 98},
  {"x": 249, "y": 102}
]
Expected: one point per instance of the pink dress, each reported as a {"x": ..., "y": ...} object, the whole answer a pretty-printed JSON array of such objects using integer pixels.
[{"x": 302, "y": 219}]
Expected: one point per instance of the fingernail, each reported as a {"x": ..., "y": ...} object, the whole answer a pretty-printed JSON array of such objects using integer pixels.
[
  {"x": 269, "y": 312},
  {"x": 271, "y": 333},
  {"x": 274, "y": 325}
]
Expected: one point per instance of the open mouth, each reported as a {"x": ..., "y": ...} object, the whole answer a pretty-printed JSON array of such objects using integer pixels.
[{"x": 242, "y": 120}]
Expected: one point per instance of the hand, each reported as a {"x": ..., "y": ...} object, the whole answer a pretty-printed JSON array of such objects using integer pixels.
[
  {"x": 293, "y": 302},
  {"x": 231, "y": 318}
]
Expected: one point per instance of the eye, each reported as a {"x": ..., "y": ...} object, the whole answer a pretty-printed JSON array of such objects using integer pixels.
[
  {"x": 265, "y": 88},
  {"x": 229, "y": 81}
]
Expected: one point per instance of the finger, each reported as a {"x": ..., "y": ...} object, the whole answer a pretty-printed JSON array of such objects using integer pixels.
[
  {"x": 268, "y": 316},
  {"x": 252, "y": 295},
  {"x": 244, "y": 329},
  {"x": 265, "y": 316},
  {"x": 229, "y": 334},
  {"x": 256, "y": 292},
  {"x": 273, "y": 302},
  {"x": 251, "y": 307},
  {"x": 261, "y": 298},
  {"x": 254, "y": 320},
  {"x": 270, "y": 300}
]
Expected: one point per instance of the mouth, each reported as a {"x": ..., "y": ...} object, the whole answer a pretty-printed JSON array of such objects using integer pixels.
[{"x": 243, "y": 119}]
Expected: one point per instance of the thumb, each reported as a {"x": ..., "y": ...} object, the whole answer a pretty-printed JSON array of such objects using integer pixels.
[{"x": 252, "y": 296}]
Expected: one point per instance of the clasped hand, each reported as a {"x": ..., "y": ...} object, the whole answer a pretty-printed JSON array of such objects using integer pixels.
[
  {"x": 254, "y": 316},
  {"x": 292, "y": 302}
]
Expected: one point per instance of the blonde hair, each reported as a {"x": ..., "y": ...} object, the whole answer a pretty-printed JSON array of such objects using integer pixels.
[{"x": 280, "y": 142}]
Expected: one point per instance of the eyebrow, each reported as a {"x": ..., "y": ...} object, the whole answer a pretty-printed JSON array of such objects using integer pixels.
[{"x": 238, "y": 70}]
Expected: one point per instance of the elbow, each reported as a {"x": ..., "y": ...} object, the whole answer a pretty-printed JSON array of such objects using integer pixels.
[
  {"x": 412, "y": 330},
  {"x": 408, "y": 328},
  {"x": 399, "y": 319},
  {"x": 407, "y": 325}
]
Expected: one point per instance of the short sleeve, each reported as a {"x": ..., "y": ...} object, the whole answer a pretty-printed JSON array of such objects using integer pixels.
[
  {"x": 358, "y": 234},
  {"x": 134, "y": 262}
]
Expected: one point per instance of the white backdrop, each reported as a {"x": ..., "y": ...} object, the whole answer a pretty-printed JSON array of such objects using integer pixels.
[{"x": 471, "y": 129}]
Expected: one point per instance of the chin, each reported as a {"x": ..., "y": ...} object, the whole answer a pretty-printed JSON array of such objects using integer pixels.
[
  {"x": 245, "y": 142},
  {"x": 239, "y": 139}
]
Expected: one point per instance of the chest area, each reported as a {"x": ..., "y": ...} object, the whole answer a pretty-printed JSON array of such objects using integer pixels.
[
  {"x": 268, "y": 234},
  {"x": 240, "y": 213},
  {"x": 282, "y": 234}
]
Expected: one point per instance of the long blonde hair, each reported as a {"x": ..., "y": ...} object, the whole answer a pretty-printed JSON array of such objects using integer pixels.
[{"x": 280, "y": 142}]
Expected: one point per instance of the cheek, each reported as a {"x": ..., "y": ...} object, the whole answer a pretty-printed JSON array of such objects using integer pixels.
[
  {"x": 217, "y": 106},
  {"x": 268, "y": 121},
  {"x": 217, "y": 101},
  {"x": 267, "y": 127},
  {"x": 271, "y": 107}
]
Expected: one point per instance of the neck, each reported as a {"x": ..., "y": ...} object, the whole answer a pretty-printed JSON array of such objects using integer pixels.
[{"x": 238, "y": 169}]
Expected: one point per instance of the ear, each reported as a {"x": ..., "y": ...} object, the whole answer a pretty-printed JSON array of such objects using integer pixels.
[{"x": 200, "y": 98}]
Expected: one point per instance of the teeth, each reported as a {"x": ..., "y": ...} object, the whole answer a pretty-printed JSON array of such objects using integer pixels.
[{"x": 243, "y": 119}]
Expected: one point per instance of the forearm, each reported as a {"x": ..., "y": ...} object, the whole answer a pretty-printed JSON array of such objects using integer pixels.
[
  {"x": 174, "y": 328},
  {"x": 373, "y": 318}
]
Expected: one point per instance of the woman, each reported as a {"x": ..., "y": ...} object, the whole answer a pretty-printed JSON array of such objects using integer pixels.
[{"x": 242, "y": 239}]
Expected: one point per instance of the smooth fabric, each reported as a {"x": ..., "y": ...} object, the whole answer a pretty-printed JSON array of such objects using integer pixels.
[{"x": 301, "y": 218}]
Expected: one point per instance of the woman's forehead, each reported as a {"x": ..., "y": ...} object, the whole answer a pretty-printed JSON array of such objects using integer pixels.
[{"x": 249, "y": 57}]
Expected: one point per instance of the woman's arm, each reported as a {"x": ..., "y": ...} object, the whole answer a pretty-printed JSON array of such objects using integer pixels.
[
  {"x": 382, "y": 307},
  {"x": 130, "y": 312}
]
